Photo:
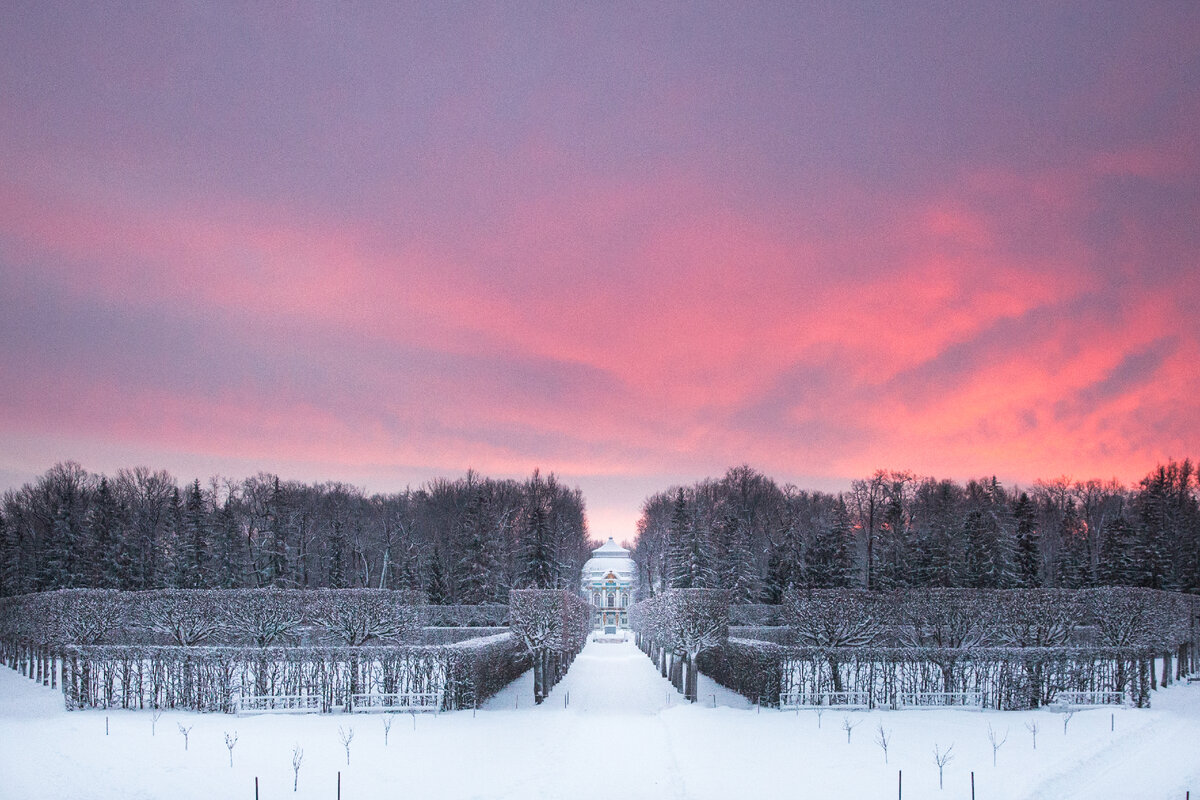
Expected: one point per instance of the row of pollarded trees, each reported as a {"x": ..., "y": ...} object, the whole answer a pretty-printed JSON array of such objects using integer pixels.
[
  {"x": 554, "y": 626},
  {"x": 35, "y": 628},
  {"x": 946, "y": 625},
  {"x": 955, "y": 621},
  {"x": 675, "y": 626}
]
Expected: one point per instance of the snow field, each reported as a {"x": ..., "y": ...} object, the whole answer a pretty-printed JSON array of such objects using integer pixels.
[{"x": 625, "y": 733}]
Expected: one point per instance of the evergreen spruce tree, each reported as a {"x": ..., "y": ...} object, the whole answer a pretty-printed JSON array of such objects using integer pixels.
[
  {"x": 6, "y": 586},
  {"x": 785, "y": 566},
  {"x": 479, "y": 568},
  {"x": 691, "y": 565},
  {"x": 20, "y": 574},
  {"x": 739, "y": 577},
  {"x": 226, "y": 564},
  {"x": 1151, "y": 566},
  {"x": 58, "y": 561},
  {"x": 438, "y": 588},
  {"x": 193, "y": 551},
  {"x": 1117, "y": 567},
  {"x": 538, "y": 562},
  {"x": 987, "y": 530},
  {"x": 829, "y": 562},
  {"x": 275, "y": 569},
  {"x": 109, "y": 562},
  {"x": 1071, "y": 566},
  {"x": 892, "y": 557},
  {"x": 1028, "y": 553}
]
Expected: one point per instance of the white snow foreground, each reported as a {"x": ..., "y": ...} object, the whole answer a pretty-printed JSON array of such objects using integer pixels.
[{"x": 611, "y": 728}]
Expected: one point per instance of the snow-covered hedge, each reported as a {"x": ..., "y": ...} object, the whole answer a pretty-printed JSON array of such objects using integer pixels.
[
  {"x": 454, "y": 635},
  {"x": 963, "y": 618},
  {"x": 756, "y": 614},
  {"x": 1004, "y": 677},
  {"x": 214, "y": 678},
  {"x": 190, "y": 617},
  {"x": 484, "y": 615},
  {"x": 676, "y": 625},
  {"x": 553, "y": 625}
]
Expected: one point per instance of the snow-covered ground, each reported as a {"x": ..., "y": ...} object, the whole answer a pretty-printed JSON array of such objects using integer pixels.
[{"x": 612, "y": 728}]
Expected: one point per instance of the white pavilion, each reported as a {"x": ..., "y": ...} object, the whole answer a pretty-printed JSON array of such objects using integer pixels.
[{"x": 608, "y": 583}]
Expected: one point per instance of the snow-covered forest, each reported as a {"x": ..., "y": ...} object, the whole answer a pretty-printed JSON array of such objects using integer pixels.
[
  {"x": 463, "y": 541},
  {"x": 747, "y": 534}
]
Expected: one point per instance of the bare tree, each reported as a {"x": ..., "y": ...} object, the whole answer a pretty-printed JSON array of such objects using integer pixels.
[
  {"x": 154, "y": 720},
  {"x": 297, "y": 758},
  {"x": 996, "y": 741},
  {"x": 346, "y": 736},
  {"x": 230, "y": 741},
  {"x": 185, "y": 732},
  {"x": 849, "y": 727},
  {"x": 1032, "y": 727},
  {"x": 387, "y": 727},
  {"x": 942, "y": 758},
  {"x": 882, "y": 738},
  {"x": 1067, "y": 718}
]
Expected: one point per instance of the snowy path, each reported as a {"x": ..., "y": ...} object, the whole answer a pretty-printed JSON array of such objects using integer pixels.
[
  {"x": 613, "y": 678},
  {"x": 625, "y": 733}
]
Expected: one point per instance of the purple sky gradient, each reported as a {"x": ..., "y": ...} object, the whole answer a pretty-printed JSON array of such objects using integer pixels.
[{"x": 631, "y": 245}]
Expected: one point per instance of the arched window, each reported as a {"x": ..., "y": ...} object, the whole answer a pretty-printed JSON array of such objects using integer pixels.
[
  {"x": 596, "y": 599},
  {"x": 612, "y": 599}
]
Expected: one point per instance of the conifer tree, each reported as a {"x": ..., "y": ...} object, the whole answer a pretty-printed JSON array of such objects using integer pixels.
[
  {"x": 226, "y": 562},
  {"x": 438, "y": 587},
  {"x": 275, "y": 570},
  {"x": 194, "y": 542},
  {"x": 111, "y": 562},
  {"x": 829, "y": 561},
  {"x": 1152, "y": 569},
  {"x": 691, "y": 566},
  {"x": 539, "y": 567},
  {"x": 1117, "y": 550},
  {"x": 478, "y": 569},
  {"x": 1028, "y": 555}
]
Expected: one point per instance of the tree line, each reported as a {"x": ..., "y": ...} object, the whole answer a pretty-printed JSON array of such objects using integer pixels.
[
  {"x": 463, "y": 541},
  {"x": 757, "y": 540}
]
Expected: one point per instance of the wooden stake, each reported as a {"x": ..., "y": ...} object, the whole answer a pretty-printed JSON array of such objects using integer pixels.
[
  {"x": 255, "y": 787},
  {"x": 899, "y": 784}
]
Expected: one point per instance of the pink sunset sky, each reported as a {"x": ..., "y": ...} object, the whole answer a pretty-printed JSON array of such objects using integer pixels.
[{"x": 632, "y": 244}]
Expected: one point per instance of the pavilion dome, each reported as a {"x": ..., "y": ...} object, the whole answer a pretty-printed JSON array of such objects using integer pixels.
[{"x": 609, "y": 557}]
